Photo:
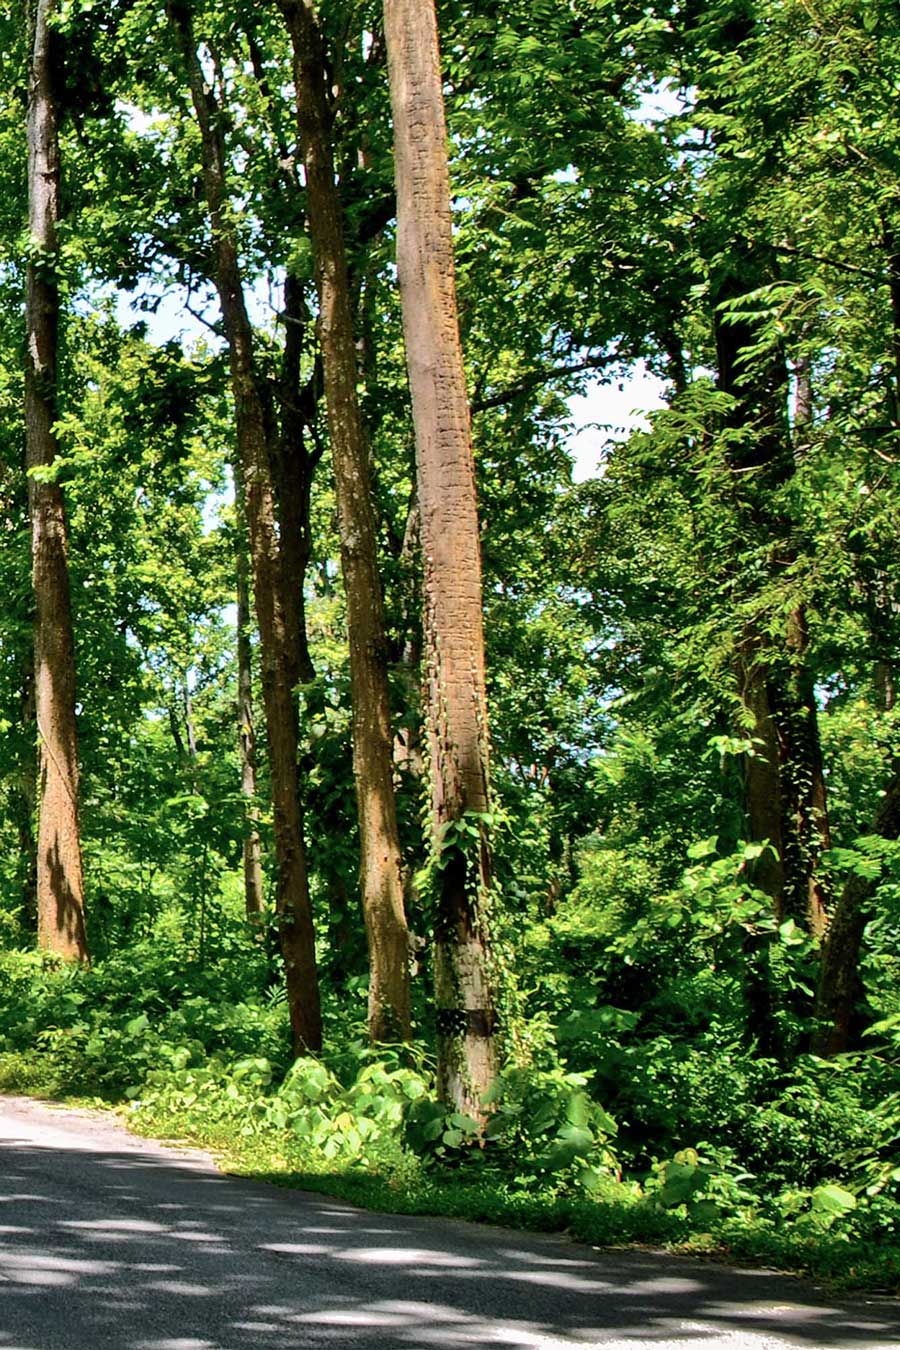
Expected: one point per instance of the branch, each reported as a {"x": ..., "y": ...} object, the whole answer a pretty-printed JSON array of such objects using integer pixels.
[
  {"x": 836, "y": 263},
  {"x": 375, "y": 217},
  {"x": 318, "y": 449},
  {"x": 213, "y": 326},
  {"x": 539, "y": 377}
]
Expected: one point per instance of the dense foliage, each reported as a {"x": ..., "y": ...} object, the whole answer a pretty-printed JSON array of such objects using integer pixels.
[{"x": 691, "y": 654}]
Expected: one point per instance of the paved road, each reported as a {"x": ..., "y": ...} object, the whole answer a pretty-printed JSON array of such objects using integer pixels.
[{"x": 110, "y": 1241}]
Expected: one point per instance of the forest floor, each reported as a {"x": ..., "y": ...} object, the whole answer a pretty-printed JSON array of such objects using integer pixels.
[{"x": 109, "y": 1240}]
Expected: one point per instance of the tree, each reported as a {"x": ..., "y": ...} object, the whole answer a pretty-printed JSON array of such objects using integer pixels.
[
  {"x": 60, "y": 885},
  {"x": 278, "y": 635},
  {"x": 454, "y": 639},
  {"x": 251, "y": 846},
  {"x": 380, "y": 861}
]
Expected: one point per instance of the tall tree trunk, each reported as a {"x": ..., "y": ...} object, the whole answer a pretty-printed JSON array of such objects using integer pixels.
[
  {"x": 295, "y": 923},
  {"x": 764, "y": 455},
  {"x": 786, "y": 800},
  {"x": 380, "y": 859},
  {"x": 293, "y": 468},
  {"x": 840, "y": 985},
  {"x": 804, "y": 789},
  {"x": 762, "y": 782},
  {"x": 454, "y": 638},
  {"x": 839, "y": 981},
  {"x": 60, "y": 886},
  {"x": 252, "y": 849}
]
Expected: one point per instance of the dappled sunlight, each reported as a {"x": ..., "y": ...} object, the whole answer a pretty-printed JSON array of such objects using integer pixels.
[{"x": 113, "y": 1242}]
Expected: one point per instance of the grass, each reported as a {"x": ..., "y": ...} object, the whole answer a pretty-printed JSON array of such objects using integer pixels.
[
  {"x": 404, "y": 1186},
  {"x": 398, "y": 1183}
]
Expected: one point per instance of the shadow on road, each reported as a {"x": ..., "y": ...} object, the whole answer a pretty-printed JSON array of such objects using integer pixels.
[{"x": 142, "y": 1251}]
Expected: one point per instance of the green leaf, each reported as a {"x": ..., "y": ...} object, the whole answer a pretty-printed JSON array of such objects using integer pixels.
[
  {"x": 704, "y": 1211},
  {"x": 590, "y": 1178},
  {"x": 578, "y": 1109},
  {"x": 557, "y": 1159},
  {"x": 831, "y": 1199},
  {"x": 493, "y": 1093},
  {"x": 465, "y": 1123},
  {"x": 681, "y": 1181},
  {"x": 577, "y": 1138}
]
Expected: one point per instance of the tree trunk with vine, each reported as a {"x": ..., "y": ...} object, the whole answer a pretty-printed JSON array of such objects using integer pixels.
[{"x": 454, "y": 639}]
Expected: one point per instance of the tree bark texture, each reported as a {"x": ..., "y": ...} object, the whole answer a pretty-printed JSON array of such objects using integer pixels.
[
  {"x": 251, "y": 846},
  {"x": 60, "y": 886},
  {"x": 278, "y": 661},
  {"x": 380, "y": 859},
  {"x": 454, "y": 639}
]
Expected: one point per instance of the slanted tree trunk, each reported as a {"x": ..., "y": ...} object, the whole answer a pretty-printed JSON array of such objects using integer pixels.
[
  {"x": 251, "y": 847},
  {"x": 454, "y": 639},
  {"x": 294, "y": 910},
  {"x": 840, "y": 985},
  {"x": 839, "y": 982},
  {"x": 60, "y": 886},
  {"x": 380, "y": 859}
]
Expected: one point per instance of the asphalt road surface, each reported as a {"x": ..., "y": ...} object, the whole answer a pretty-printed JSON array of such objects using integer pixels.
[{"x": 110, "y": 1241}]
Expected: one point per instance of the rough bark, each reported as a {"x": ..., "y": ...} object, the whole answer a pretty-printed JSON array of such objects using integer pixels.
[
  {"x": 251, "y": 846},
  {"x": 380, "y": 858},
  {"x": 454, "y": 640},
  {"x": 60, "y": 886},
  {"x": 294, "y": 910}
]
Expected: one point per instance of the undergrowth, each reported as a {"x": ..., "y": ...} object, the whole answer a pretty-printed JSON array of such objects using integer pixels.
[{"x": 797, "y": 1170}]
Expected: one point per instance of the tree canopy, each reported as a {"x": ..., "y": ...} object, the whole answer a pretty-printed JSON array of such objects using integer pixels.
[{"x": 379, "y": 728}]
